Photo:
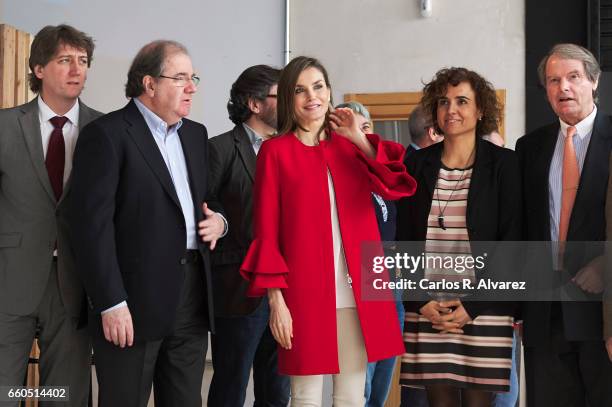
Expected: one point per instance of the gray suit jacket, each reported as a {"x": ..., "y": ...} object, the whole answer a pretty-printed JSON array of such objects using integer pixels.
[{"x": 31, "y": 220}]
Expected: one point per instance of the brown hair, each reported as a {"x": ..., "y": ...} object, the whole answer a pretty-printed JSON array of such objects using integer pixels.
[
  {"x": 150, "y": 60},
  {"x": 486, "y": 99},
  {"x": 47, "y": 42},
  {"x": 287, "y": 120}
]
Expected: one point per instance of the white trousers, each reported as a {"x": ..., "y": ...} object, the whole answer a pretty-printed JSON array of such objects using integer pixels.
[{"x": 349, "y": 384}]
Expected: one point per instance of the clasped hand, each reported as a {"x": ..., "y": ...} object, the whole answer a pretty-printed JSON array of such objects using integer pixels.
[{"x": 446, "y": 316}]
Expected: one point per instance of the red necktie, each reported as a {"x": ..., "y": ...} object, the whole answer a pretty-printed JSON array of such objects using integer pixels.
[
  {"x": 56, "y": 156},
  {"x": 570, "y": 181}
]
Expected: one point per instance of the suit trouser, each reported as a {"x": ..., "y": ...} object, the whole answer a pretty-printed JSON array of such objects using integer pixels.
[
  {"x": 173, "y": 365},
  {"x": 238, "y": 343},
  {"x": 349, "y": 384},
  {"x": 65, "y": 351},
  {"x": 568, "y": 373}
]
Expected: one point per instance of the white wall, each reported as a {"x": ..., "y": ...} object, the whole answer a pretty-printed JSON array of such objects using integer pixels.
[
  {"x": 385, "y": 46},
  {"x": 223, "y": 37}
]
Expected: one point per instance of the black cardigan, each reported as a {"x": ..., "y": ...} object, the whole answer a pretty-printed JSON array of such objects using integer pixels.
[{"x": 493, "y": 207}]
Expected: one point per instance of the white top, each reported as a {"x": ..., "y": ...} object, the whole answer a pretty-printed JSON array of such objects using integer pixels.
[
  {"x": 70, "y": 131},
  {"x": 344, "y": 293}
]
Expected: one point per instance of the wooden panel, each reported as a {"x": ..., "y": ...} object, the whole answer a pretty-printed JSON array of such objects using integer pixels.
[
  {"x": 7, "y": 65},
  {"x": 21, "y": 62},
  {"x": 30, "y": 95},
  {"x": 501, "y": 96},
  {"x": 395, "y": 98},
  {"x": 33, "y": 377},
  {"x": 390, "y": 112},
  {"x": 14, "y": 54}
]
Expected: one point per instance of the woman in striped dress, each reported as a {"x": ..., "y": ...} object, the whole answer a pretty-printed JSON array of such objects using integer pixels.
[{"x": 468, "y": 190}]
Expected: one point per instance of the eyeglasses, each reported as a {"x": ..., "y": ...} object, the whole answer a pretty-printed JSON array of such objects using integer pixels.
[
  {"x": 181, "y": 80},
  {"x": 272, "y": 96}
]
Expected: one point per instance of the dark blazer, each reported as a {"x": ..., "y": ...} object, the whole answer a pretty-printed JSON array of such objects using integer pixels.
[
  {"x": 410, "y": 150},
  {"x": 230, "y": 182},
  {"x": 581, "y": 321},
  {"x": 31, "y": 219},
  {"x": 493, "y": 208},
  {"x": 607, "y": 309},
  {"x": 126, "y": 219}
]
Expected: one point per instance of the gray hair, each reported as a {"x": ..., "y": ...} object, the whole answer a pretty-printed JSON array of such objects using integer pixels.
[
  {"x": 572, "y": 51},
  {"x": 357, "y": 108},
  {"x": 150, "y": 60},
  {"x": 418, "y": 124}
]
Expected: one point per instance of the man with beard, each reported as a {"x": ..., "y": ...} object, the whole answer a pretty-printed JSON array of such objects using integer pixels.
[{"x": 242, "y": 336}]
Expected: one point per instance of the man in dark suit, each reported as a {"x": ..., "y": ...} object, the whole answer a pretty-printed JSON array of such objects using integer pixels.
[
  {"x": 139, "y": 198},
  {"x": 608, "y": 271},
  {"x": 242, "y": 338},
  {"x": 422, "y": 131},
  {"x": 565, "y": 175},
  {"x": 39, "y": 288}
]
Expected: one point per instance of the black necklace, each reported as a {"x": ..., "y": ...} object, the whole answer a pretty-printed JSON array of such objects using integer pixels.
[{"x": 442, "y": 210}]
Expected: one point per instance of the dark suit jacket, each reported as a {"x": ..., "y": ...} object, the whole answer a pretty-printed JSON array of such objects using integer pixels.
[
  {"x": 126, "y": 219},
  {"x": 581, "y": 321},
  {"x": 608, "y": 271},
  {"x": 493, "y": 208},
  {"x": 410, "y": 150},
  {"x": 31, "y": 219},
  {"x": 230, "y": 182}
]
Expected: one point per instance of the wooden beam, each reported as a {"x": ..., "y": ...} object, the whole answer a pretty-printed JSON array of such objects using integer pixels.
[
  {"x": 30, "y": 95},
  {"x": 21, "y": 63},
  {"x": 394, "y": 98},
  {"x": 8, "y": 38}
]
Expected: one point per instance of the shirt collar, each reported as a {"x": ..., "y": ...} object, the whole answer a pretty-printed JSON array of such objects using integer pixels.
[
  {"x": 253, "y": 136},
  {"x": 584, "y": 127},
  {"x": 45, "y": 113},
  {"x": 155, "y": 123},
  {"x": 415, "y": 146}
]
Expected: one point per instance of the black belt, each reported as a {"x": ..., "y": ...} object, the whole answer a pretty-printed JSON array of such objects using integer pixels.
[{"x": 190, "y": 257}]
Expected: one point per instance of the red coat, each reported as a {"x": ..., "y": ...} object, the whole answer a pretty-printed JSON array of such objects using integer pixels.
[{"x": 293, "y": 249}]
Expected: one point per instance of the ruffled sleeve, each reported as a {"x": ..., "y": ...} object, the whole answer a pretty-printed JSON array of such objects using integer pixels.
[
  {"x": 264, "y": 266},
  {"x": 388, "y": 174}
]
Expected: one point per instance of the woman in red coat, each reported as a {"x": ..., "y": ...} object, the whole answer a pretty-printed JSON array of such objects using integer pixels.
[{"x": 313, "y": 209}]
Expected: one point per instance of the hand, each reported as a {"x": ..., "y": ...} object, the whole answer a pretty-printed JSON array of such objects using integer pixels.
[
  {"x": 343, "y": 122},
  {"x": 281, "y": 323},
  {"x": 455, "y": 320},
  {"x": 117, "y": 326},
  {"x": 609, "y": 347},
  {"x": 212, "y": 227},
  {"x": 590, "y": 277},
  {"x": 433, "y": 311}
]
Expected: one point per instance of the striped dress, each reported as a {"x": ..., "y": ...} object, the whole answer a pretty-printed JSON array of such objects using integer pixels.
[{"x": 481, "y": 357}]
